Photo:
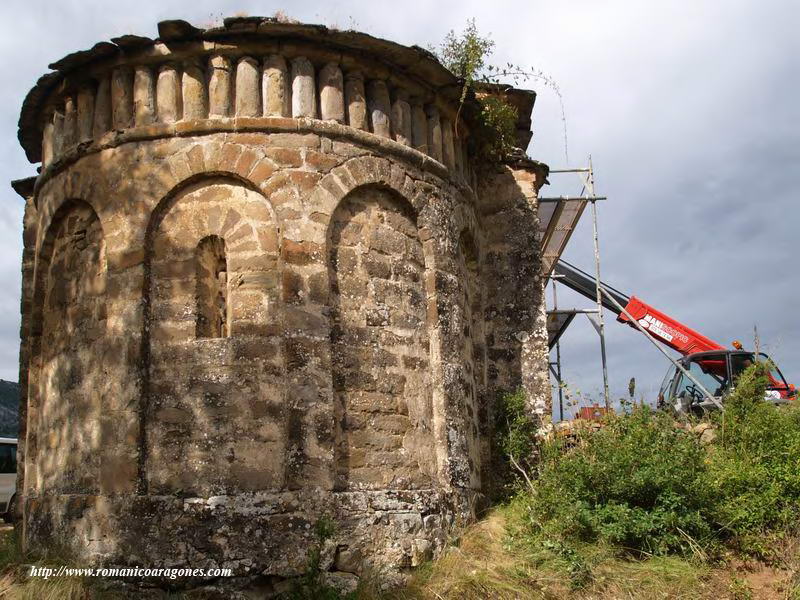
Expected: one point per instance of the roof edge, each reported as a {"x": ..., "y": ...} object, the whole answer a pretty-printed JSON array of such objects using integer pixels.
[{"x": 406, "y": 58}]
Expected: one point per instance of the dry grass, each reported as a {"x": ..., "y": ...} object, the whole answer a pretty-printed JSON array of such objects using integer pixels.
[
  {"x": 15, "y": 583},
  {"x": 483, "y": 566},
  {"x": 479, "y": 567},
  {"x": 16, "y": 587}
]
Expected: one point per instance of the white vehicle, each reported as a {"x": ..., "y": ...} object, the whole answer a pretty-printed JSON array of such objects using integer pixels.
[{"x": 8, "y": 477}]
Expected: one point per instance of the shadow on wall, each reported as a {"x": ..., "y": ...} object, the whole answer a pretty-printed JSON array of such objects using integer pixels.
[
  {"x": 69, "y": 374},
  {"x": 380, "y": 345},
  {"x": 478, "y": 430}
]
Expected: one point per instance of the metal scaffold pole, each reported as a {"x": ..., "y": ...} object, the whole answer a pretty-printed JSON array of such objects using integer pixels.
[
  {"x": 589, "y": 185},
  {"x": 595, "y": 315},
  {"x": 558, "y": 364}
]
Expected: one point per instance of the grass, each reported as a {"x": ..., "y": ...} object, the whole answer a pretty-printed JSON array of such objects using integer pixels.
[
  {"x": 486, "y": 564},
  {"x": 63, "y": 588},
  {"x": 480, "y": 566},
  {"x": 15, "y": 583}
]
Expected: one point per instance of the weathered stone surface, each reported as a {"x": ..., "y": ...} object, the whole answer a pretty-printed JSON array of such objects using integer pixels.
[
  {"x": 219, "y": 86},
  {"x": 419, "y": 127},
  {"x": 374, "y": 236},
  {"x": 248, "y": 93},
  {"x": 176, "y": 29},
  {"x": 58, "y": 132},
  {"x": 434, "y": 133},
  {"x": 73, "y": 320},
  {"x": 102, "y": 108},
  {"x": 240, "y": 316},
  {"x": 168, "y": 94},
  {"x": 458, "y": 150},
  {"x": 193, "y": 91},
  {"x": 517, "y": 337},
  {"x": 275, "y": 87},
  {"x": 122, "y": 97},
  {"x": 70, "y": 125},
  {"x": 355, "y": 98},
  {"x": 47, "y": 144},
  {"x": 401, "y": 118},
  {"x": 331, "y": 93},
  {"x": 85, "y": 113},
  {"x": 448, "y": 145},
  {"x": 379, "y": 107},
  {"x": 304, "y": 93},
  {"x": 144, "y": 96}
]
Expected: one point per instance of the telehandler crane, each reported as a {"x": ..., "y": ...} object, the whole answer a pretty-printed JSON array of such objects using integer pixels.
[{"x": 710, "y": 363}]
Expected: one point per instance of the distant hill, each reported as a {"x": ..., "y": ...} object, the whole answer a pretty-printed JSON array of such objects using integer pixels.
[{"x": 9, "y": 408}]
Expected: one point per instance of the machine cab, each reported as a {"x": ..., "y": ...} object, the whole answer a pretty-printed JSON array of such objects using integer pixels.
[{"x": 717, "y": 371}]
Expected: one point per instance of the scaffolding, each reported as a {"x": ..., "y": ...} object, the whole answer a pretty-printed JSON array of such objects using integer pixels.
[{"x": 559, "y": 320}]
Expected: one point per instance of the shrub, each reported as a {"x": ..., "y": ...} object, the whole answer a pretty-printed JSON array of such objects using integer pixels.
[
  {"x": 466, "y": 55},
  {"x": 514, "y": 441},
  {"x": 755, "y": 466},
  {"x": 312, "y": 585},
  {"x": 643, "y": 483},
  {"x": 496, "y": 133},
  {"x": 639, "y": 483}
]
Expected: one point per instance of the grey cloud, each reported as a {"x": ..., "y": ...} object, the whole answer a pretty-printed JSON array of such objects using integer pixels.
[{"x": 688, "y": 108}]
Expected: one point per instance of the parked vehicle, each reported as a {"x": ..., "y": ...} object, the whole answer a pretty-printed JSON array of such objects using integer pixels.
[
  {"x": 716, "y": 371},
  {"x": 8, "y": 477}
]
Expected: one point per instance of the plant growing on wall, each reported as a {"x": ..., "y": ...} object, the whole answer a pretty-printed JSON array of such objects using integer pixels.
[
  {"x": 466, "y": 56},
  {"x": 515, "y": 450}
]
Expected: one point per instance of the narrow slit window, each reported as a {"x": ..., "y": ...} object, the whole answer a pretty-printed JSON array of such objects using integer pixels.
[{"x": 212, "y": 288}]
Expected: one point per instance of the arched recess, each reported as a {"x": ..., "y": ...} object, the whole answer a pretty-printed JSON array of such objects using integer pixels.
[
  {"x": 379, "y": 344},
  {"x": 212, "y": 415},
  {"x": 66, "y": 380},
  {"x": 473, "y": 356}
]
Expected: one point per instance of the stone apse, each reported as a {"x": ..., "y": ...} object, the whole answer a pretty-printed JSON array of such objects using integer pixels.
[{"x": 265, "y": 282}]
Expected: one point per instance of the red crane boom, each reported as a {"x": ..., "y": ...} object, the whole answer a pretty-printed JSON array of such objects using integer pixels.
[{"x": 667, "y": 330}]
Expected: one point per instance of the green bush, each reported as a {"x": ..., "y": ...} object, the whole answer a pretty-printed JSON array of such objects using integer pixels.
[
  {"x": 514, "y": 441},
  {"x": 755, "y": 466},
  {"x": 311, "y": 585},
  {"x": 495, "y": 134},
  {"x": 639, "y": 483},
  {"x": 645, "y": 484}
]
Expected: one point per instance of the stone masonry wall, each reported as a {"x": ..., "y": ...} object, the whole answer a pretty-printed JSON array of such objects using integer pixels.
[
  {"x": 68, "y": 392},
  {"x": 380, "y": 345},
  {"x": 263, "y": 292},
  {"x": 216, "y": 403},
  {"x": 478, "y": 431},
  {"x": 515, "y": 315},
  {"x": 233, "y": 423}
]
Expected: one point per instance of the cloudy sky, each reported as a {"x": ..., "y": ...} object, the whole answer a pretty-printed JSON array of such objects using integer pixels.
[{"x": 689, "y": 109}]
